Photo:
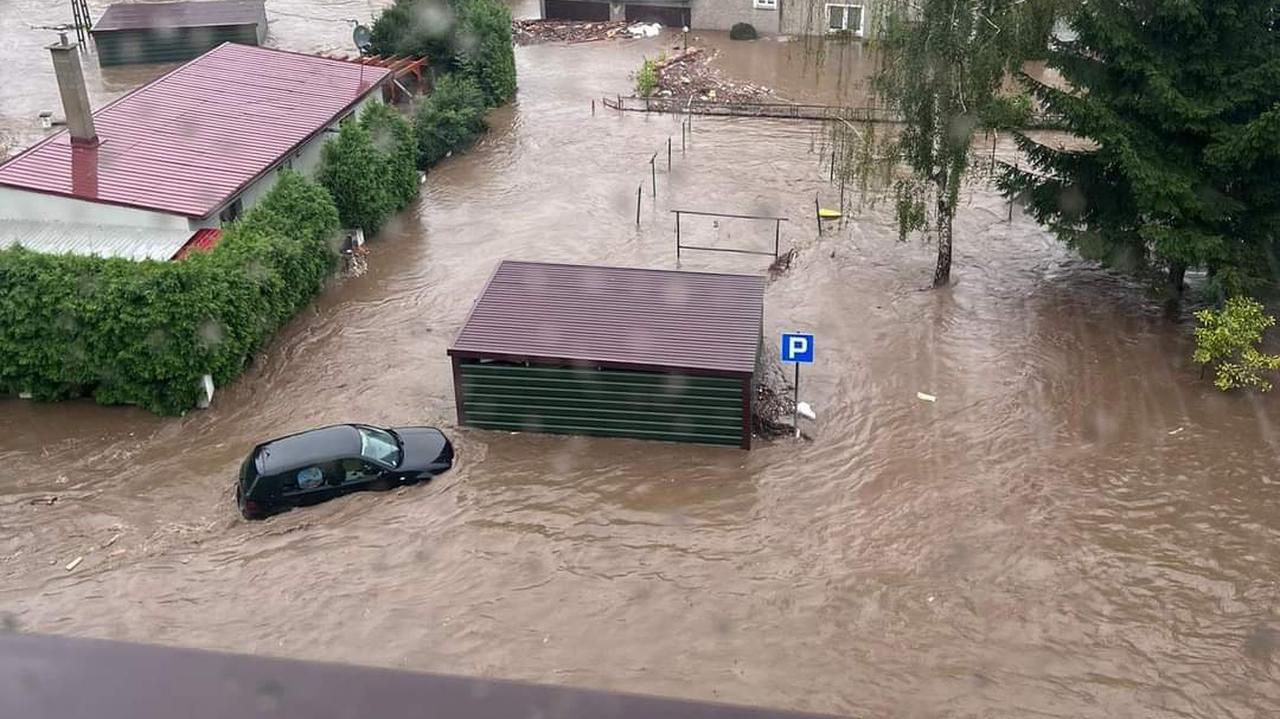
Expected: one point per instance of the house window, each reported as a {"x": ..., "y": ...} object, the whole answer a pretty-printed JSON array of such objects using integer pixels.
[
  {"x": 766, "y": 4},
  {"x": 845, "y": 18},
  {"x": 232, "y": 212}
]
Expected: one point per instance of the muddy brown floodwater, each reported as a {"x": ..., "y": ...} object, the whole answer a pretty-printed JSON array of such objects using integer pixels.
[{"x": 1076, "y": 528}]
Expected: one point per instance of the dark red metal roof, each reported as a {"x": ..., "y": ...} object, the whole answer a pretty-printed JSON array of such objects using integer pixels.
[
  {"x": 48, "y": 677},
  {"x": 191, "y": 140},
  {"x": 207, "y": 13},
  {"x": 202, "y": 241},
  {"x": 615, "y": 316}
]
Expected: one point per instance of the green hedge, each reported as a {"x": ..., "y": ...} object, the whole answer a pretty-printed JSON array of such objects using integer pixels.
[
  {"x": 125, "y": 332},
  {"x": 449, "y": 119},
  {"x": 369, "y": 168},
  {"x": 468, "y": 36}
]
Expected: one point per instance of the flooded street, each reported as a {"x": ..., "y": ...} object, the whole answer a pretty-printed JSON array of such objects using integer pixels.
[{"x": 1076, "y": 528}]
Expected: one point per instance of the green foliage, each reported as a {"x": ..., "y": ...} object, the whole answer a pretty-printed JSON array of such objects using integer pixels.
[
  {"x": 941, "y": 66},
  {"x": 486, "y": 53},
  {"x": 743, "y": 31},
  {"x": 449, "y": 119},
  {"x": 647, "y": 78},
  {"x": 144, "y": 333},
  {"x": 468, "y": 36},
  {"x": 1010, "y": 111},
  {"x": 370, "y": 180},
  {"x": 394, "y": 138},
  {"x": 1228, "y": 340},
  {"x": 1181, "y": 104}
]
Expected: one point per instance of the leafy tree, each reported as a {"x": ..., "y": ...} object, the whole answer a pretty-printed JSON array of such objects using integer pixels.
[
  {"x": 449, "y": 119},
  {"x": 354, "y": 172},
  {"x": 394, "y": 138},
  {"x": 469, "y": 36},
  {"x": 942, "y": 63},
  {"x": 485, "y": 49},
  {"x": 1228, "y": 340},
  {"x": 1179, "y": 101}
]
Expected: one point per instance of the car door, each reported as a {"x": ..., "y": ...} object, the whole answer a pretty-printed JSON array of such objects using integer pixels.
[{"x": 359, "y": 471}]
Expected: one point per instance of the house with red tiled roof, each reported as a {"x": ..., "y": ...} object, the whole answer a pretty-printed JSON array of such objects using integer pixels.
[{"x": 188, "y": 151}]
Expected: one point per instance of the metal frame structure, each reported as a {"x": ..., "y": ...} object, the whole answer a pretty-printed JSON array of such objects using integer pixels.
[
  {"x": 777, "y": 232},
  {"x": 80, "y": 12}
]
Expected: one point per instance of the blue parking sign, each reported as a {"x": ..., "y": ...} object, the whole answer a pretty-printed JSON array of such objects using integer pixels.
[{"x": 797, "y": 348}]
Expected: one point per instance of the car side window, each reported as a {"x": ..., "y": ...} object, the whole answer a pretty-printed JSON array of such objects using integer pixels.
[
  {"x": 357, "y": 470},
  {"x": 309, "y": 477}
]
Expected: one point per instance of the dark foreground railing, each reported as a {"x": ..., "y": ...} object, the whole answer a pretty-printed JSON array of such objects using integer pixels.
[{"x": 57, "y": 678}]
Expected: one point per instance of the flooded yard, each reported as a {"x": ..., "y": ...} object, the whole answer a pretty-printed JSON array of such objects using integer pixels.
[{"x": 1076, "y": 528}]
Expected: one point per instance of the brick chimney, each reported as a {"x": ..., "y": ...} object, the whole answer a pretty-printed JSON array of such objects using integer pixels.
[{"x": 75, "y": 98}]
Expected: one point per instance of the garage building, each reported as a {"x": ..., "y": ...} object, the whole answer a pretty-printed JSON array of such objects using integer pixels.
[{"x": 611, "y": 352}]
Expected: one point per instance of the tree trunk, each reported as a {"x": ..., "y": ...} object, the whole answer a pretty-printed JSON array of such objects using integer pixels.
[
  {"x": 1177, "y": 279},
  {"x": 1175, "y": 286},
  {"x": 942, "y": 273}
]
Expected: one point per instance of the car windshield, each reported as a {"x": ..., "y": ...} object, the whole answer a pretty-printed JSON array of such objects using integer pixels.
[{"x": 379, "y": 446}]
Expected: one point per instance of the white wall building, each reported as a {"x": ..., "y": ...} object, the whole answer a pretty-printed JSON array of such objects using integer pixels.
[{"x": 191, "y": 150}]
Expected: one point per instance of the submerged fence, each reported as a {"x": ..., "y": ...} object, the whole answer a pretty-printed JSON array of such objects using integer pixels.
[{"x": 781, "y": 110}]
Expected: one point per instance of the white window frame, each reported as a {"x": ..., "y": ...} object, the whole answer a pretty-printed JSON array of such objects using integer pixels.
[
  {"x": 862, "y": 18},
  {"x": 765, "y": 4}
]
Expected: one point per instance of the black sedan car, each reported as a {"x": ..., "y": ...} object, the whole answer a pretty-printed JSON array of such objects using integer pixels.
[{"x": 320, "y": 464}]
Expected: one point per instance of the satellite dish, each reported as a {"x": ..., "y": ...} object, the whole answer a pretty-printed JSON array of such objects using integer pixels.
[{"x": 362, "y": 38}]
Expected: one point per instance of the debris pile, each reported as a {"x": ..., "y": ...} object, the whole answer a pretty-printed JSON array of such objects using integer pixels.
[
  {"x": 530, "y": 32},
  {"x": 774, "y": 409},
  {"x": 689, "y": 73}
]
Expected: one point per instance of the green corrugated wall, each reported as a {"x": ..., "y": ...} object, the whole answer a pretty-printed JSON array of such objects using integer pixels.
[
  {"x": 605, "y": 403},
  {"x": 128, "y": 47}
]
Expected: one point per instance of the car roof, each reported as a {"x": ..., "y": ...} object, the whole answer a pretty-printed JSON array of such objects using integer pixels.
[{"x": 314, "y": 446}]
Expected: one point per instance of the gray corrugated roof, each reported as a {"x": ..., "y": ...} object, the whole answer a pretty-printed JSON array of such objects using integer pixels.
[
  {"x": 617, "y": 316},
  {"x": 57, "y": 238},
  {"x": 144, "y": 15}
]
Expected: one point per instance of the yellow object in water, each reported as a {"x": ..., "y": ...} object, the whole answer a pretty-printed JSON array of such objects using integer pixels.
[{"x": 825, "y": 214}]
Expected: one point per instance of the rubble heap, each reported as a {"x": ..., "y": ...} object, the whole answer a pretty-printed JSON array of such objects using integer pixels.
[
  {"x": 530, "y": 32},
  {"x": 689, "y": 73}
]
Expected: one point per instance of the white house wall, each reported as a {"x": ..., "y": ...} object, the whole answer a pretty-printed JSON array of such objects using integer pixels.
[{"x": 18, "y": 204}]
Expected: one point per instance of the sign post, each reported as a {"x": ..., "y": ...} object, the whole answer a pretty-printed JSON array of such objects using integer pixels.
[{"x": 797, "y": 349}]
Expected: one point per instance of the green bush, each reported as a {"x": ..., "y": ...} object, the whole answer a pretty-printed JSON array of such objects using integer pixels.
[
  {"x": 743, "y": 31},
  {"x": 370, "y": 179},
  {"x": 1228, "y": 340},
  {"x": 647, "y": 78},
  {"x": 144, "y": 333},
  {"x": 469, "y": 36},
  {"x": 449, "y": 119},
  {"x": 486, "y": 53},
  {"x": 393, "y": 136}
]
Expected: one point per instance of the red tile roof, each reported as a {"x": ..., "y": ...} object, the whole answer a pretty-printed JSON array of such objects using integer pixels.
[
  {"x": 616, "y": 317},
  {"x": 190, "y": 141}
]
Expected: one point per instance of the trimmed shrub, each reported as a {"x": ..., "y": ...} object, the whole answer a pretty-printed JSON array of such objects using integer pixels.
[
  {"x": 743, "y": 31},
  {"x": 394, "y": 138},
  {"x": 369, "y": 179},
  {"x": 449, "y": 119},
  {"x": 125, "y": 332}
]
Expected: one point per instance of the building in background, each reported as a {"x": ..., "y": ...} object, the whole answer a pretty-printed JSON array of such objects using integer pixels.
[
  {"x": 174, "y": 31},
  {"x": 191, "y": 150},
  {"x": 769, "y": 17}
]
